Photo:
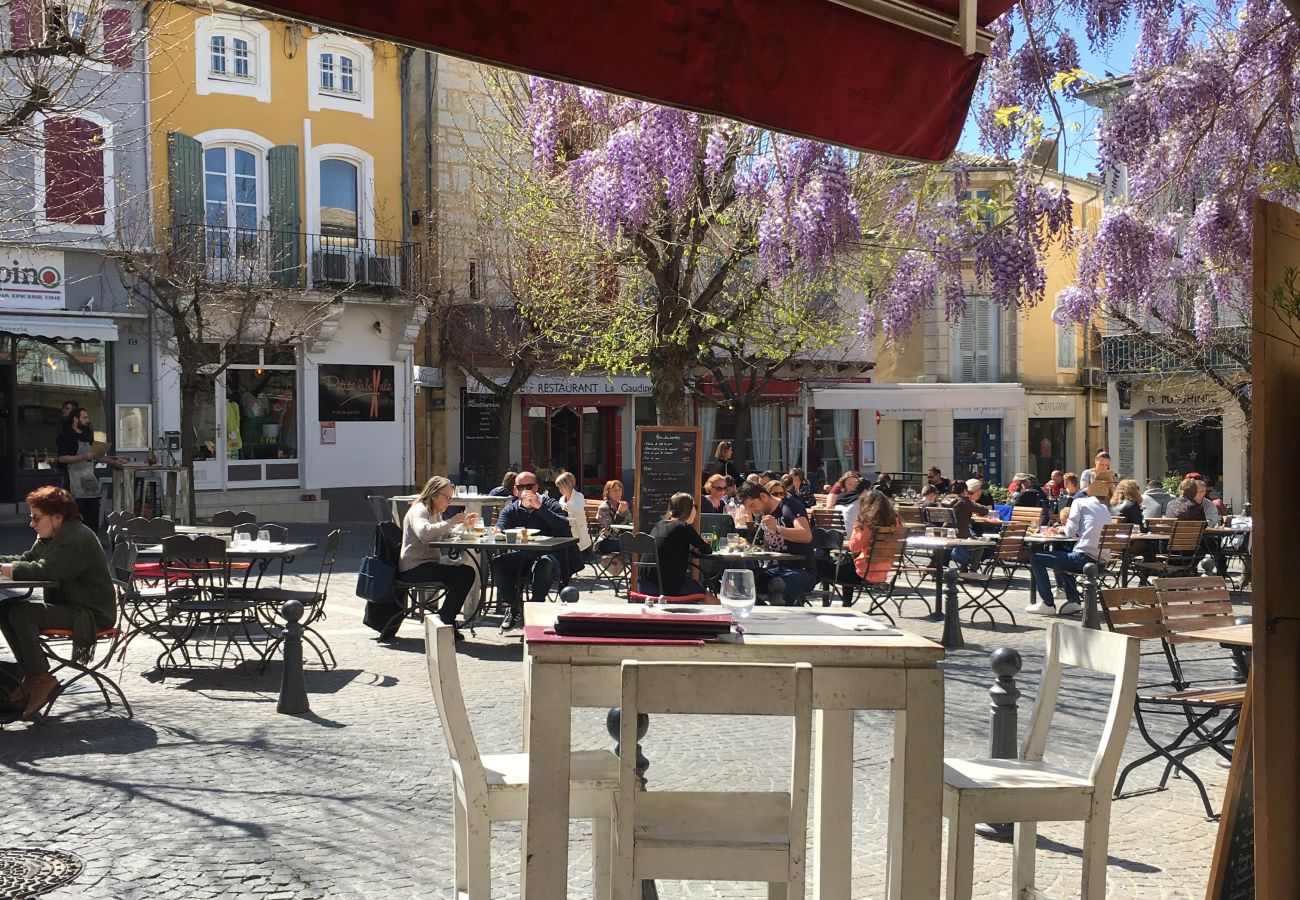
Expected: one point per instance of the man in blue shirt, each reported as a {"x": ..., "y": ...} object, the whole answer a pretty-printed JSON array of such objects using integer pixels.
[
  {"x": 533, "y": 510},
  {"x": 783, "y": 528}
]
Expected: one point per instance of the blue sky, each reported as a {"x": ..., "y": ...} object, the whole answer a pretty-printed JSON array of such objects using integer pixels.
[{"x": 1080, "y": 158}]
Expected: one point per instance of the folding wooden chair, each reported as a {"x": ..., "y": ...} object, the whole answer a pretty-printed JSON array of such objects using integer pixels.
[
  {"x": 1179, "y": 555},
  {"x": 984, "y": 588}
]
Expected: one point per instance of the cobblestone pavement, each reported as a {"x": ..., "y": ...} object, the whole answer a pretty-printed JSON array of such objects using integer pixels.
[{"x": 207, "y": 792}]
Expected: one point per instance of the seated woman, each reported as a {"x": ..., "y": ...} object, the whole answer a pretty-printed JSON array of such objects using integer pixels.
[
  {"x": 576, "y": 506},
  {"x": 1126, "y": 504},
  {"x": 799, "y": 487},
  {"x": 613, "y": 511},
  {"x": 69, "y": 553},
  {"x": 715, "y": 495},
  {"x": 844, "y": 491},
  {"x": 875, "y": 511},
  {"x": 419, "y": 562},
  {"x": 675, "y": 537}
]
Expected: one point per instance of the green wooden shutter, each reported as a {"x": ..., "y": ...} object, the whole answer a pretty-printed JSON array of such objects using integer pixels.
[
  {"x": 185, "y": 197},
  {"x": 286, "y": 216}
]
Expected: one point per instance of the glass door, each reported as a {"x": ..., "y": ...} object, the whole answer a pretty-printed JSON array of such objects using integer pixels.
[{"x": 977, "y": 449}]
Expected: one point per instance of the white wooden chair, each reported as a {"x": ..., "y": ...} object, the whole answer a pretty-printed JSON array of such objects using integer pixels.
[
  {"x": 494, "y": 788},
  {"x": 1027, "y": 790},
  {"x": 705, "y": 835}
]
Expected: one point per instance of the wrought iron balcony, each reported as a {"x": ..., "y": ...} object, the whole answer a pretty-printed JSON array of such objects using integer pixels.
[
  {"x": 1135, "y": 355},
  {"x": 291, "y": 259}
]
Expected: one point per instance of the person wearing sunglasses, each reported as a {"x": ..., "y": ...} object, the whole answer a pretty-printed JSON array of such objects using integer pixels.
[
  {"x": 68, "y": 553},
  {"x": 535, "y": 511}
]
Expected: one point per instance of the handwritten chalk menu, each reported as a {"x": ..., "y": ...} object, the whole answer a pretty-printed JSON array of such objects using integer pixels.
[
  {"x": 667, "y": 461},
  {"x": 480, "y": 433},
  {"x": 1232, "y": 874}
]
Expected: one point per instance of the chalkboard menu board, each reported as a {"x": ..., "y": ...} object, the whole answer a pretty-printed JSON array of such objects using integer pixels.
[
  {"x": 1232, "y": 875},
  {"x": 480, "y": 433},
  {"x": 667, "y": 461}
]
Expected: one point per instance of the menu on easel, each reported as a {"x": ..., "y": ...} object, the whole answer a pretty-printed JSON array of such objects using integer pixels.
[
  {"x": 1232, "y": 874},
  {"x": 667, "y": 461}
]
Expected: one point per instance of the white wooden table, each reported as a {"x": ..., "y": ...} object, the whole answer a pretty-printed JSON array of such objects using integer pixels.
[{"x": 852, "y": 671}]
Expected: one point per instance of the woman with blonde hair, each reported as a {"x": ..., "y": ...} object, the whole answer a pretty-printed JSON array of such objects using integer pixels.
[
  {"x": 424, "y": 522},
  {"x": 1126, "y": 503},
  {"x": 576, "y": 506}
]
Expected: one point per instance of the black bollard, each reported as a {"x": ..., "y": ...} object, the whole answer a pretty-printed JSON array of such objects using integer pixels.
[
  {"x": 952, "y": 638},
  {"x": 293, "y": 687},
  {"x": 1091, "y": 609},
  {"x": 569, "y": 594},
  {"x": 1206, "y": 565},
  {"x": 1004, "y": 725},
  {"x": 613, "y": 724}
]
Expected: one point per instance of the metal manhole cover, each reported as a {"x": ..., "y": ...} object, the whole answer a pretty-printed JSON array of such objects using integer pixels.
[{"x": 27, "y": 872}]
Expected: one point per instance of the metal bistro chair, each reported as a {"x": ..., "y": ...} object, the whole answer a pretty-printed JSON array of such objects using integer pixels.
[
  {"x": 940, "y": 516},
  {"x": 414, "y": 598},
  {"x": 112, "y": 639},
  {"x": 228, "y": 518},
  {"x": 313, "y": 601},
  {"x": 985, "y": 588},
  {"x": 1027, "y": 790},
  {"x": 639, "y": 549},
  {"x": 494, "y": 788},
  {"x": 196, "y": 572},
  {"x": 1136, "y": 612},
  {"x": 724, "y": 835},
  {"x": 257, "y": 568},
  {"x": 884, "y": 563}
]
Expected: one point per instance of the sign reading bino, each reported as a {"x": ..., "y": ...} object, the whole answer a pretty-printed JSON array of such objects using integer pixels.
[{"x": 31, "y": 279}]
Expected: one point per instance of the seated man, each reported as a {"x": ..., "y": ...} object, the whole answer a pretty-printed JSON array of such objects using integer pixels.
[
  {"x": 531, "y": 510},
  {"x": 66, "y": 551},
  {"x": 1088, "y": 515},
  {"x": 941, "y": 484},
  {"x": 783, "y": 528},
  {"x": 1032, "y": 495},
  {"x": 963, "y": 510}
]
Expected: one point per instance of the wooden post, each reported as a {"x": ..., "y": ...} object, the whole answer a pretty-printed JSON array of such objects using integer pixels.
[{"x": 1275, "y": 363}]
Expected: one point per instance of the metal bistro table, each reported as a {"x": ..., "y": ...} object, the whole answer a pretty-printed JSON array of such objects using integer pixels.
[
  {"x": 942, "y": 548},
  {"x": 11, "y": 589},
  {"x": 479, "y": 552},
  {"x": 854, "y": 670}
]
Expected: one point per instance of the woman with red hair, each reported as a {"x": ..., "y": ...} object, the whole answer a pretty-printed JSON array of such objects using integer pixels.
[{"x": 83, "y": 601}]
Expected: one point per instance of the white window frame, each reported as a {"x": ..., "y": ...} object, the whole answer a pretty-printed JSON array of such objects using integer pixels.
[
  {"x": 365, "y": 164},
  {"x": 54, "y": 227},
  {"x": 965, "y": 332},
  {"x": 1067, "y": 336},
  {"x": 258, "y": 36},
  {"x": 94, "y": 41},
  {"x": 318, "y": 98}
]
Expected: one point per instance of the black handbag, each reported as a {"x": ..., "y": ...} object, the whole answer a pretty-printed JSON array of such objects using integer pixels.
[{"x": 375, "y": 583}]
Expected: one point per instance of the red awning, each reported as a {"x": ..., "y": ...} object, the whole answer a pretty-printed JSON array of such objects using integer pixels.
[{"x": 807, "y": 67}]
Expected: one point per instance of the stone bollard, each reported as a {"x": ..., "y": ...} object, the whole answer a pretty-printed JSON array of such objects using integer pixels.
[
  {"x": 1206, "y": 565},
  {"x": 1091, "y": 608},
  {"x": 293, "y": 687},
  {"x": 776, "y": 591},
  {"x": 952, "y": 638},
  {"x": 1004, "y": 724},
  {"x": 569, "y": 594}
]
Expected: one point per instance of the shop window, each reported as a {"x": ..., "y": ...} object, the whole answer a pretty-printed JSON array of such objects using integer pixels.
[
  {"x": 47, "y": 375},
  {"x": 913, "y": 446},
  {"x": 831, "y": 445},
  {"x": 1047, "y": 443},
  {"x": 645, "y": 413},
  {"x": 261, "y": 413},
  {"x": 977, "y": 449}
]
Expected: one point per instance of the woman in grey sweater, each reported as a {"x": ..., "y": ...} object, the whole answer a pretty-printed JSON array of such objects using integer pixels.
[{"x": 68, "y": 553}]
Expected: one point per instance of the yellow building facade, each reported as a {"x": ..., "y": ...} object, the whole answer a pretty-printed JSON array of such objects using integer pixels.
[
  {"x": 1001, "y": 391},
  {"x": 277, "y": 159}
]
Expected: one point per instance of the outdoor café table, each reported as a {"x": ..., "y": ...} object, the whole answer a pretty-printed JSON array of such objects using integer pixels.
[
  {"x": 21, "y": 590},
  {"x": 942, "y": 547},
  {"x": 1231, "y": 635},
  {"x": 248, "y": 550},
  {"x": 472, "y": 503},
  {"x": 214, "y": 530},
  {"x": 479, "y": 552},
  {"x": 852, "y": 670}
]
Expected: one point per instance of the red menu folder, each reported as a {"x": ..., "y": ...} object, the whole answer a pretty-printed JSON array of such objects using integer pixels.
[
  {"x": 540, "y": 634},
  {"x": 657, "y": 624}
]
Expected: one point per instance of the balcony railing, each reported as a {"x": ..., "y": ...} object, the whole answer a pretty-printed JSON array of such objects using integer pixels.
[
  {"x": 292, "y": 259},
  {"x": 1131, "y": 355}
]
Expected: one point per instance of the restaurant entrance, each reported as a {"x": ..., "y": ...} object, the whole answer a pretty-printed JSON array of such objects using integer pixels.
[
  {"x": 977, "y": 449},
  {"x": 583, "y": 439}
]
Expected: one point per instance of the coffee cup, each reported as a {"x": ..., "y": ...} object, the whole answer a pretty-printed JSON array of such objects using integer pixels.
[{"x": 512, "y": 537}]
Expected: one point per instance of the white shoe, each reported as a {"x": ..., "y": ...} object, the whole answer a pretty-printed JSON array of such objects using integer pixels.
[
  {"x": 1069, "y": 608},
  {"x": 1040, "y": 608}
]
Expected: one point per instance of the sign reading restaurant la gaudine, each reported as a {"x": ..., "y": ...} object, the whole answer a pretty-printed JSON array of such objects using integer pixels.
[{"x": 356, "y": 393}]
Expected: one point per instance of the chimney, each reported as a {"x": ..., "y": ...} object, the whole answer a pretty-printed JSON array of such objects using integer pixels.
[{"x": 1045, "y": 156}]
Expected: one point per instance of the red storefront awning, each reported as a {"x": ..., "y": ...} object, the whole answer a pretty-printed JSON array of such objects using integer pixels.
[{"x": 809, "y": 67}]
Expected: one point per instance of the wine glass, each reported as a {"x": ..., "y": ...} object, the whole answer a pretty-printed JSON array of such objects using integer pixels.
[
  {"x": 263, "y": 536},
  {"x": 737, "y": 592}
]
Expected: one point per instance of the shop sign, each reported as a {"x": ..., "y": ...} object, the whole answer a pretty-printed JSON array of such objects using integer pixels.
[
  {"x": 979, "y": 412},
  {"x": 31, "y": 279},
  {"x": 1189, "y": 400},
  {"x": 356, "y": 393},
  {"x": 556, "y": 385},
  {"x": 1126, "y": 448},
  {"x": 1051, "y": 407}
]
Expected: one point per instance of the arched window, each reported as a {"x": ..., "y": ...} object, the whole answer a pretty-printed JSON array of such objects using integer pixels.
[{"x": 339, "y": 200}]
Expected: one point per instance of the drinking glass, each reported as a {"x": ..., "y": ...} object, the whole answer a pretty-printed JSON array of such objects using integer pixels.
[
  {"x": 737, "y": 592},
  {"x": 263, "y": 536},
  {"x": 473, "y": 489}
]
